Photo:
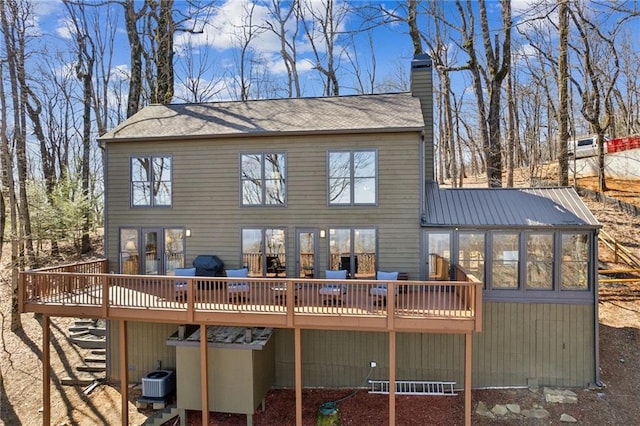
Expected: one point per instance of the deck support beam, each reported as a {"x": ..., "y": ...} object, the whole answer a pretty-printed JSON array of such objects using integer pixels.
[
  {"x": 46, "y": 370},
  {"x": 298, "y": 373},
  {"x": 124, "y": 373},
  {"x": 392, "y": 378},
  {"x": 204, "y": 374},
  {"x": 467, "y": 378}
]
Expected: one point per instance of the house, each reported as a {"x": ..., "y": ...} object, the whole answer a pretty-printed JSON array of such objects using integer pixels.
[{"x": 285, "y": 191}]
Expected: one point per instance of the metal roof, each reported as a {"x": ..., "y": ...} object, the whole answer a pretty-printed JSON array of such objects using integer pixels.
[
  {"x": 506, "y": 207},
  {"x": 339, "y": 114}
]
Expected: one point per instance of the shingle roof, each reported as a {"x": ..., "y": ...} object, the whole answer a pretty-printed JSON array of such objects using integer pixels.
[
  {"x": 342, "y": 114},
  {"x": 506, "y": 207}
]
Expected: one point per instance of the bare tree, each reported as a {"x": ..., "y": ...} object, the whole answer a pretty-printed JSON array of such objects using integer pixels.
[
  {"x": 8, "y": 192},
  {"x": 322, "y": 21},
  {"x": 600, "y": 71},
  {"x": 282, "y": 13},
  {"x": 16, "y": 18},
  {"x": 498, "y": 60}
]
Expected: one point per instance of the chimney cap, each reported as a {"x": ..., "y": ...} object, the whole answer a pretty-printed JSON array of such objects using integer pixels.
[{"x": 421, "y": 60}]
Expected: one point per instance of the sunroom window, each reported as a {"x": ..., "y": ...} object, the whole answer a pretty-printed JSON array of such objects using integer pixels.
[
  {"x": 574, "y": 272},
  {"x": 506, "y": 255},
  {"x": 540, "y": 261}
]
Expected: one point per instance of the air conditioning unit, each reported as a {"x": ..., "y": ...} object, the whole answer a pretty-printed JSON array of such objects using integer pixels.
[{"x": 158, "y": 383}]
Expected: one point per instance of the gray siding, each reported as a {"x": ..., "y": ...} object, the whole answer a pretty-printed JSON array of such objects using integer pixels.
[
  {"x": 521, "y": 344},
  {"x": 206, "y": 195},
  {"x": 548, "y": 344},
  {"x": 146, "y": 344}
]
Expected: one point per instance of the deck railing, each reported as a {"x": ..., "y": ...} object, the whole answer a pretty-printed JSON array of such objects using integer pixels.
[{"x": 277, "y": 302}]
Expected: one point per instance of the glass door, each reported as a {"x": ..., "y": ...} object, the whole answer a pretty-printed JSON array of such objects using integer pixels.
[
  {"x": 153, "y": 252},
  {"x": 306, "y": 250}
]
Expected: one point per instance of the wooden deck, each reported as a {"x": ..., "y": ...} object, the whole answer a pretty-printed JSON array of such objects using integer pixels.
[
  {"x": 86, "y": 291},
  {"x": 434, "y": 306}
]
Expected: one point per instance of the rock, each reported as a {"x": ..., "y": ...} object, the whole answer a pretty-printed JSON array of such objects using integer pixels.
[
  {"x": 536, "y": 413},
  {"x": 499, "y": 410},
  {"x": 562, "y": 396},
  {"x": 567, "y": 418},
  {"x": 482, "y": 410},
  {"x": 514, "y": 408}
]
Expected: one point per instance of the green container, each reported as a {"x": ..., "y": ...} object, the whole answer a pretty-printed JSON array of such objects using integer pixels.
[{"x": 328, "y": 415}]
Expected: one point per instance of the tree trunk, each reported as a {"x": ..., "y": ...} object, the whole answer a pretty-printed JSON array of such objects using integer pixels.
[{"x": 563, "y": 95}]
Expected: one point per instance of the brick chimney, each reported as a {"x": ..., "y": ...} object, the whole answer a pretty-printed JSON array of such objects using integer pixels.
[{"x": 422, "y": 88}]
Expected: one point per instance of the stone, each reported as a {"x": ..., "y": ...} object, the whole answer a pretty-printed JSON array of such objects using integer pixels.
[
  {"x": 514, "y": 408},
  {"x": 482, "y": 410},
  {"x": 562, "y": 396},
  {"x": 565, "y": 418},
  {"x": 499, "y": 410},
  {"x": 536, "y": 413}
]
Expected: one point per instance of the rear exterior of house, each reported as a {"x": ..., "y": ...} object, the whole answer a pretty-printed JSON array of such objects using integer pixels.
[{"x": 346, "y": 183}]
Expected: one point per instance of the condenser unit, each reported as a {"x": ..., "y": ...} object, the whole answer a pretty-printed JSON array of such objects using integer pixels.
[{"x": 158, "y": 383}]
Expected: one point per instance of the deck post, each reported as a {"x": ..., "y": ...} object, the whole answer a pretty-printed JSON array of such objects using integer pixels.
[
  {"x": 124, "y": 373},
  {"x": 46, "y": 370},
  {"x": 392, "y": 378},
  {"x": 467, "y": 378},
  {"x": 298, "y": 373},
  {"x": 204, "y": 374}
]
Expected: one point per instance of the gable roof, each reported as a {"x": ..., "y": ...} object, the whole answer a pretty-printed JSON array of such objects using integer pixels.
[
  {"x": 339, "y": 114},
  {"x": 506, "y": 207}
]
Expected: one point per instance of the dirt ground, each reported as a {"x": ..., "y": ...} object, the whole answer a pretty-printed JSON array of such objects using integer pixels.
[{"x": 617, "y": 402}]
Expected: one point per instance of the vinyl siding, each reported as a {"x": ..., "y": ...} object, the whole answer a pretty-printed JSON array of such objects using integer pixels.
[
  {"x": 206, "y": 194},
  {"x": 146, "y": 344},
  {"x": 548, "y": 344},
  {"x": 521, "y": 344}
]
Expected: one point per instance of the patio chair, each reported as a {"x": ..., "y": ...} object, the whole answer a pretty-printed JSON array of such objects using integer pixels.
[
  {"x": 181, "y": 285},
  {"x": 333, "y": 292},
  {"x": 379, "y": 292},
  {"x": 237, "y": 290}
]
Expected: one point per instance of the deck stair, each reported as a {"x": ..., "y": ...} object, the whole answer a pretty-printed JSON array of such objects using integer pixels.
[{"x": 414, "y": 387}]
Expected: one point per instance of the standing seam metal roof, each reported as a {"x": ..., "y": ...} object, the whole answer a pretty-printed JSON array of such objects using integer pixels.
[
  {"x": 366, "y": 113},
  {"x": 506, "y": 207}
]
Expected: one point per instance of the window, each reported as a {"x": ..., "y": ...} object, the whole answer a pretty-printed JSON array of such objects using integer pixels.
[
  {"x": 263, "y": 179},
  {"x": 151, "y": 181},
  {"x": 471, "y": 253},
  {"x": 162, "y": 251},
  {"x": 504, "y": 268},
  {"x": 272, "y": 243},
  {"x": 540, "y": 261},
  {"x": 173, "y": 248},
  {"x": 439, "y": 261},
  {"x": 352, "y": 178},
  {"x": 574, "y": 270},
  {"x": 354, "y": 250},
  {"x": 129, "y": 258}
]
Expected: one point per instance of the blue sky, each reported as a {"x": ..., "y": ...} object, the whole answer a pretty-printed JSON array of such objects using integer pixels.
[{"x": 217, "y": 46}]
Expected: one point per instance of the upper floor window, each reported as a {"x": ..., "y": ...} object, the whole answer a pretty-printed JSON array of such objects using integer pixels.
[
  {"x": 151, "y": 181},
  {"x": 263, "y": 179},
  {"x": 352, "y": 178}
]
